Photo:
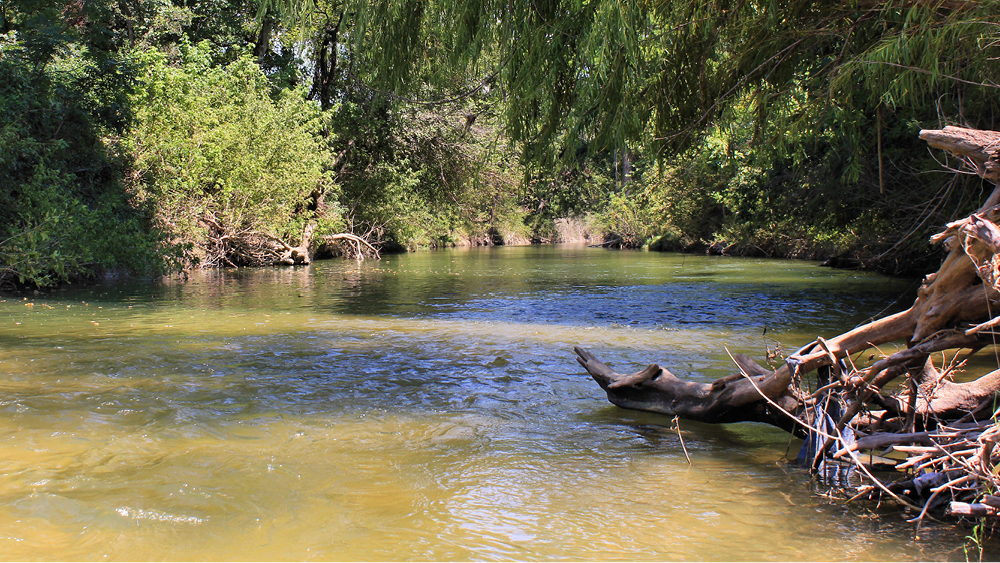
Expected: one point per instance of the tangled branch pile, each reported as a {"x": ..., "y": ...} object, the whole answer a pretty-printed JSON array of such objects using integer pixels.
[
  {"x": 937, "y": 436},
  {"x": 235, "y": 247}
]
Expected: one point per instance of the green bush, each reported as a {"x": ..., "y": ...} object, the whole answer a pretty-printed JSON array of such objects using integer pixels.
[
  {"x": 64, "y": 212},
  {"x": 218, "y": 145}
]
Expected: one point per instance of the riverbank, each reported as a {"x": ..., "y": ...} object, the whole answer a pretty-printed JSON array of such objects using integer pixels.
[{"x": 911, "y": 263}]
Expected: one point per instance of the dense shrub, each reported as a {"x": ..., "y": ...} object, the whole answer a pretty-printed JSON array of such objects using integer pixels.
[
  {"x": 64, "y": 213},
  {"x": 218, "y": 147}
]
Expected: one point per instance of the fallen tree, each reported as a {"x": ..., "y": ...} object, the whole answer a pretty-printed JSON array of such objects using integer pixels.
[
  {"x": 945, "y": 431},
  {"x": 234, "y": 247}
]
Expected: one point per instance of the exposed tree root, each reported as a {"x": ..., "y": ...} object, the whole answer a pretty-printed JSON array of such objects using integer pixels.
[{"x": 945, "y": 431}]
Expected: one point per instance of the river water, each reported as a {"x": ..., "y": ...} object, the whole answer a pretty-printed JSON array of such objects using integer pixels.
[{"x": 421, "y": 407}]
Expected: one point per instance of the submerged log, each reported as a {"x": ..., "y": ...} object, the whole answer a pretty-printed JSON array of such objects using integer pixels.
[{"x": 951, "y": 312}]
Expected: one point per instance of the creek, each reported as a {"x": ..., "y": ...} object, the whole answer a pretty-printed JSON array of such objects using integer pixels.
[{"x": 422, "y": 407}]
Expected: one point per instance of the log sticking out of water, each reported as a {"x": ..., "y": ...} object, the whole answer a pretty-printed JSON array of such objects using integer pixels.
[
  {"x": 976, "y": 510},
  {"x": 730, "y": 399},
  {"x": 936, "y": 423}
]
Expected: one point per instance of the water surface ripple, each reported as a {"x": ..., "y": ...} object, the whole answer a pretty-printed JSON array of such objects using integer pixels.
[{"x": 421, "y": 407}]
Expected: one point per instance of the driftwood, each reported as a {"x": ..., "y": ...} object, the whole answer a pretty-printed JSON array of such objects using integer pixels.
[
  {"x": 358, "y": 247},
  {"x": 935, "y": 423},
  {"x": 228, "y": 246}
]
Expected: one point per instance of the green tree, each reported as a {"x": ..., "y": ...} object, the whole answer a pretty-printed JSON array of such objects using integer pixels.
[
  {"x": 800, "y": 94},
  {"x": 64, "y": 212},
  {"x": 418, "y": 166},
  {"x": 221, "y": 157}
]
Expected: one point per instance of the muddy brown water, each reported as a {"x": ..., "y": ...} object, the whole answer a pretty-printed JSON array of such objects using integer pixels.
[{"x": 421, "y": 407}]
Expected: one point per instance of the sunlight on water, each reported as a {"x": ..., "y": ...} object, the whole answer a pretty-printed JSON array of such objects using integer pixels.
[{"x": 423, "y": 407}]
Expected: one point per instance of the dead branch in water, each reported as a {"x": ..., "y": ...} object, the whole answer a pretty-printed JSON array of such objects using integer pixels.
[
  {"x": 359, "y": 248},
  {"x": 229, "y": 246}
]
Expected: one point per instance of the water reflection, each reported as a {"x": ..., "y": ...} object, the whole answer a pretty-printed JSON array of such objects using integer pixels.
[{"x": 421, "y": 407}]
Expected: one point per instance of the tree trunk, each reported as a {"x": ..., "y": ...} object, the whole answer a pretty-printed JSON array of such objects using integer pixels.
[
  {"x": 263, "y": 44},
  {"x": 326, "y": 63}
]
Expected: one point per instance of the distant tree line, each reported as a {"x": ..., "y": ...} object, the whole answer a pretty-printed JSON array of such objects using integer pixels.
[{"x": 133, "y": 132}]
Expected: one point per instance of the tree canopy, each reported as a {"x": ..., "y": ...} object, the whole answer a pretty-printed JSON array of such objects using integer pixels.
[
  {"x": 659, "y": 73},
  {"x": 752, "y": 126}
]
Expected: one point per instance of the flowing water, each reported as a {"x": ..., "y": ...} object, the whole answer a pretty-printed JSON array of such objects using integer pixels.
[{"x": 421, "y": 407}]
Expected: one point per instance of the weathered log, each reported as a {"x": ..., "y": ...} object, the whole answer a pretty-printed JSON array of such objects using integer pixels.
[
  {"x": 917, "y": 355},
  {"x": 876, "y": 441},
  {"x": 730, "y": 399},
  {"x": 978, "y": 148},
  {"x": 949, "y": 400}
]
